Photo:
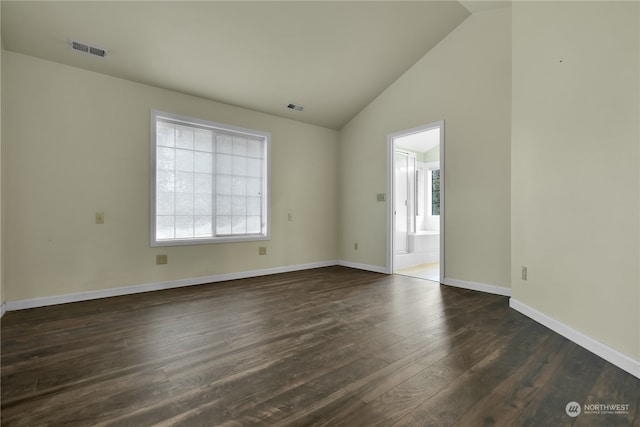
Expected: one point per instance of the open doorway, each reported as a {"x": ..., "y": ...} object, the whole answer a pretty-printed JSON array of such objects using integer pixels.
[{"x": 416, "y": 206}]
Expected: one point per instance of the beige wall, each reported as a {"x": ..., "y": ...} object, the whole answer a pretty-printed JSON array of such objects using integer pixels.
[
  {"x": 77, "y": 142},
  {"x": 575, "y": 166},
  {"x": 2, "y": 293},
  {"x": 466, "y": 81}
]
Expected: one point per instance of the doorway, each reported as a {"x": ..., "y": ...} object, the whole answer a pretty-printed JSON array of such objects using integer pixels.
[{"x": 415, "y": 238}]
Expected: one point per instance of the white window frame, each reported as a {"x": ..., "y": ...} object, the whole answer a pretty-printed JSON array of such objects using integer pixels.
[
  {"x": 431, "y": 166},
  {"x": 266, "y": 186}
]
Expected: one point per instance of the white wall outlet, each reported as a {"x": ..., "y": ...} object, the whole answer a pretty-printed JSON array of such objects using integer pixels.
[{"x": 524, "y": 273}]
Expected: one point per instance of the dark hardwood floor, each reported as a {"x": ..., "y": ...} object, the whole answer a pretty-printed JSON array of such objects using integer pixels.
[{"x": 331, "y": 346}]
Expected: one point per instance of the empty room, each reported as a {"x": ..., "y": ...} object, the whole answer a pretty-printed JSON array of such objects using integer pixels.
[{"x": 320, "y": 213}]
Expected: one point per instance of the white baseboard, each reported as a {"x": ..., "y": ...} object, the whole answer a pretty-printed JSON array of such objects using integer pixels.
[
  {"x": 490, "y": 289},
  {"x": 3, "y": 309},
  {"x": 367, "y": 267},
  {"x": 127, "y": 290},
  {"x": 607, "y": 353}
]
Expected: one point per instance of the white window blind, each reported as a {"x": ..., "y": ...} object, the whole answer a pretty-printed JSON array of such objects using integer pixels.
[{"x": 210, "y": 182}]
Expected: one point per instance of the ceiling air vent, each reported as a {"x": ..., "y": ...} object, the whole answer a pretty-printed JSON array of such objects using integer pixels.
[
  {"x": 87, "y": 48},
  {"x": 295, "y": 107}
]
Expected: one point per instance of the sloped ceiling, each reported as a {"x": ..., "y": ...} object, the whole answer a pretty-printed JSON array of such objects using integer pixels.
[
  {"x": 332, "y": 57},
  {"x": 474, "y": 6}
]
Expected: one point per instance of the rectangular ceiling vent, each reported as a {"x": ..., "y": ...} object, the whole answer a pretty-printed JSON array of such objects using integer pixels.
[
  {"x": 296, "y": 107},
  {"x": 87, "y": 48}
]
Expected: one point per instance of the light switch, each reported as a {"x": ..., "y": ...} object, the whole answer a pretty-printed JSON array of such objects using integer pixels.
[{"x": 99, "y": 217}]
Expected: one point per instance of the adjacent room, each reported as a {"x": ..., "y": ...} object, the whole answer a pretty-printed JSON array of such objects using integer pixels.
[
  {"x": 416, "y": 194},
  {"x": 320, "y": 213}
]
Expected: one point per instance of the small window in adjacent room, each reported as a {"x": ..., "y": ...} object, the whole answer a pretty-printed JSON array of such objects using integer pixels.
[
  {"x": 435, "y": 192},
  {"x": 210, "y": 182}
]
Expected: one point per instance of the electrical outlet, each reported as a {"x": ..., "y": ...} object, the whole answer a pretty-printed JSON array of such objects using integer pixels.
[
  {"x": 355, "y": 246},
  {"x": 162, "y": 259},
  {"x": 524, "y": 273},
  {"x": 290, "y": 216},
  {"x": 262, "y": 250},
  {"x": 99, "y": 217}
]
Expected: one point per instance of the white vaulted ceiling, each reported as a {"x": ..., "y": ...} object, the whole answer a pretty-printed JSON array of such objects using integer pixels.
[{"x": 332, "y": 57}]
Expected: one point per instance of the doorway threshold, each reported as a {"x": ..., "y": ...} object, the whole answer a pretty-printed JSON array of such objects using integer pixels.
[{"x": 429, "y": 271}]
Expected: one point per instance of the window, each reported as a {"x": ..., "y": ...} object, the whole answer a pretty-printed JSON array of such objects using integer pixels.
[
  {"x": 435, "y": 192},
  {"x": 209, "y": 182}
]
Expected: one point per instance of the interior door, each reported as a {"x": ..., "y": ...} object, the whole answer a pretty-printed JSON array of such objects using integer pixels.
[{"x": 402, "y": 201}]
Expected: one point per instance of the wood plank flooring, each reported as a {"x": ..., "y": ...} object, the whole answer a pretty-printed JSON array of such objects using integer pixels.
[{"x": 324, "y": 347}]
